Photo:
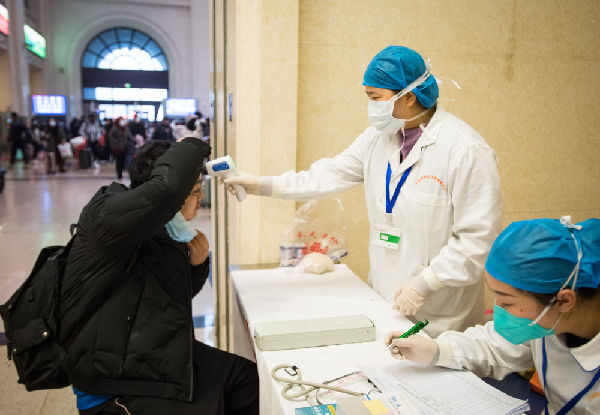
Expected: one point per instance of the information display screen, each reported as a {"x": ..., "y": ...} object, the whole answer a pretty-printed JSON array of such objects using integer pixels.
[
  {"x": 34, "y": 41},
  {"x": 4, "y": 20},
  {"x": 180, "y": 107},
  {"x": 49, "y": 104}
]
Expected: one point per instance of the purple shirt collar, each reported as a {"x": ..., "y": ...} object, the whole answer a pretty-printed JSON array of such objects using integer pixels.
[{"x": 411, "y": 136}]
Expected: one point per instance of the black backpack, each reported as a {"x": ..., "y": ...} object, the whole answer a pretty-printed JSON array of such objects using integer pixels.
[{"x": 31, "y": 322}]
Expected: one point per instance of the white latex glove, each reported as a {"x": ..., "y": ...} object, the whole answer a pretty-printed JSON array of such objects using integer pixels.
[
  {"x": 416, "y": 348},
  {"x": 254, "y": 185},
  {"x": 410, "y": 297}
]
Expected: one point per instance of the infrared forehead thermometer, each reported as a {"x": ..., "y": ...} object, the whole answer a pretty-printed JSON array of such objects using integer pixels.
[{"x": 224, "y": 167}]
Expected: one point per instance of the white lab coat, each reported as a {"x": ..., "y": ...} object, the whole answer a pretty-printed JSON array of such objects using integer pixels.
[
  {"x": 483, "y": 351},
  {"x": 448, "y": 212}
]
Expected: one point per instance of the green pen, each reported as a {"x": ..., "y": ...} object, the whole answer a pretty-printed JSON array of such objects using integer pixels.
[{"x": 413, "y": 330}]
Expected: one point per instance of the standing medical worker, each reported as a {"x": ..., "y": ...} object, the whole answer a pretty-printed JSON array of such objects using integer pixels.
[
  {"x": 432, "y": 191},
  {"x": 546, "y": 277}
]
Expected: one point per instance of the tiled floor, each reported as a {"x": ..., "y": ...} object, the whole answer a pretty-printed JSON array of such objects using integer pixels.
[{"x": 35, "y": 211}]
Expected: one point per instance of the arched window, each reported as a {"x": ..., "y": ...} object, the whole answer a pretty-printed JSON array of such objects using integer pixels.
[
  {"x": 124, "y": 71},
  {"x": 124, "y": 49}
]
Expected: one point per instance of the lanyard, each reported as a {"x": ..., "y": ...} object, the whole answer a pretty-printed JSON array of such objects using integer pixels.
[
  {"x": 574, "y": 400},
  {"x": 389, "y": 203}
]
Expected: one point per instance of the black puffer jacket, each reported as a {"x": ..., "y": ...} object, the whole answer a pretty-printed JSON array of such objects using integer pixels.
[{"x": 137, "y": 340}]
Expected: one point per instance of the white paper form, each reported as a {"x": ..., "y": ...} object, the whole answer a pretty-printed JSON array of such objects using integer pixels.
[{"x": 439, "y": 391}]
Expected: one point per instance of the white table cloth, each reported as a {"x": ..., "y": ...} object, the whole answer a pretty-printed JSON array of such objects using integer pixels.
[{"x": 286, "y": 294}]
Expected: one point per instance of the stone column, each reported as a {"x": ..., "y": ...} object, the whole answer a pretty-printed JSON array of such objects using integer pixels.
[{"x": 19, "y": 67}]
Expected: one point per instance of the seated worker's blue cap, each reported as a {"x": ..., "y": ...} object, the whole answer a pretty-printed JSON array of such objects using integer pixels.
[
  {"x": 540, "y": 255},
  {"x": 395, "y": 67}
]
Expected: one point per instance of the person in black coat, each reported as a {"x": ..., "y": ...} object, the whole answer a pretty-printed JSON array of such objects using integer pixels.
[
  {"x": 163, "y": 131},
  {"x": 137, "y": 126},
  {"x": 126, "y": 311},
  {"x": 17, "y": 135},
  {"x": 121, "y": 143},
  {"x": 55, "y": 135},
  {"x": 75, "y": 125}
]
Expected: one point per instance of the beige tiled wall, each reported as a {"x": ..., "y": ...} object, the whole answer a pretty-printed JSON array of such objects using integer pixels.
[
  {"x": 5, "y": 91},
  {"x": 529, "y": 77},
  {"x": 265, "y": 117}
]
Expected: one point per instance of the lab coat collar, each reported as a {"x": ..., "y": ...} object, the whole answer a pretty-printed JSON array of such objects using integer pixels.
[
  {"x": 429, "y": 136},
  {"x": 587, "y": 355}
]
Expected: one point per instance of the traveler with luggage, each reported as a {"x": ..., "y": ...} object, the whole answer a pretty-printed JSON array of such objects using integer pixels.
[
  {"x": 92, "y": 132},
  {"x": 121, "y": 142},
  {"x": 54, "y": 136}
]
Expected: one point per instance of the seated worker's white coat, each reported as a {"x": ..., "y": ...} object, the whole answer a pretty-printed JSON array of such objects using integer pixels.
[
  {"x": 483, "y": 351},
  {"x": 448, "y": 212}
]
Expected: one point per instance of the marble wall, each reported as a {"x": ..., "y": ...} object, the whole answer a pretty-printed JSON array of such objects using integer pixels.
[
  {"x": 265, "y": 120},
  {"x": 527, "y": 71}
]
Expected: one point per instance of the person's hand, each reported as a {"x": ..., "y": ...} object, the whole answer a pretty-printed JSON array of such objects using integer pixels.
[
  {"x": 198, "y": 248},
  {"x": 408, "y": 301},
  {"x": 254, "y": 185},
  {"x": 416, "y": 348},
  {"x": 410, "y": 297}
]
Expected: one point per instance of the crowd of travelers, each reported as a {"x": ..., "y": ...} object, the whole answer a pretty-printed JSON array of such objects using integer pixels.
[{"x": 104, "y": 140}]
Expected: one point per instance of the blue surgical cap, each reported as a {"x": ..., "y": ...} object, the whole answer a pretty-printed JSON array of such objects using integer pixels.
[
  {"x": 539, "y": 255},
  {"x": 395, "y": 67}
]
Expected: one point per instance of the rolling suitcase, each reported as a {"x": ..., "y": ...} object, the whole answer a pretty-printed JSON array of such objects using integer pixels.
[
  {"x": 85, "y": 158},
  {"x": 2, "y": 173}
]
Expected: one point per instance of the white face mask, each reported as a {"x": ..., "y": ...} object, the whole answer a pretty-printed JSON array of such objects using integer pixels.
[
  {"x": 380, "y": 112},
  {"x": 52, "y": 123},
  {"x": 122, "y": 123}
]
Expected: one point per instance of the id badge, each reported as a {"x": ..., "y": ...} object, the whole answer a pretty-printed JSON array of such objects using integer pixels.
[{"x": 386, "y": 237}]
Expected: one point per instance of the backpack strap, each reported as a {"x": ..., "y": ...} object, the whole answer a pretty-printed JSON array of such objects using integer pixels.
[{"x": 59, "y": 279}]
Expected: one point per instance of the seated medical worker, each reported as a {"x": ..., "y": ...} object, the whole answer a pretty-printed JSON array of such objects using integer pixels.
[
  {"x": 432, "y": 191},
  {"x": 546, "y": 277}
]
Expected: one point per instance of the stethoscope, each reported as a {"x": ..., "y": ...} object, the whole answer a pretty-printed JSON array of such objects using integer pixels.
[{"x": 307, "y": 387}]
